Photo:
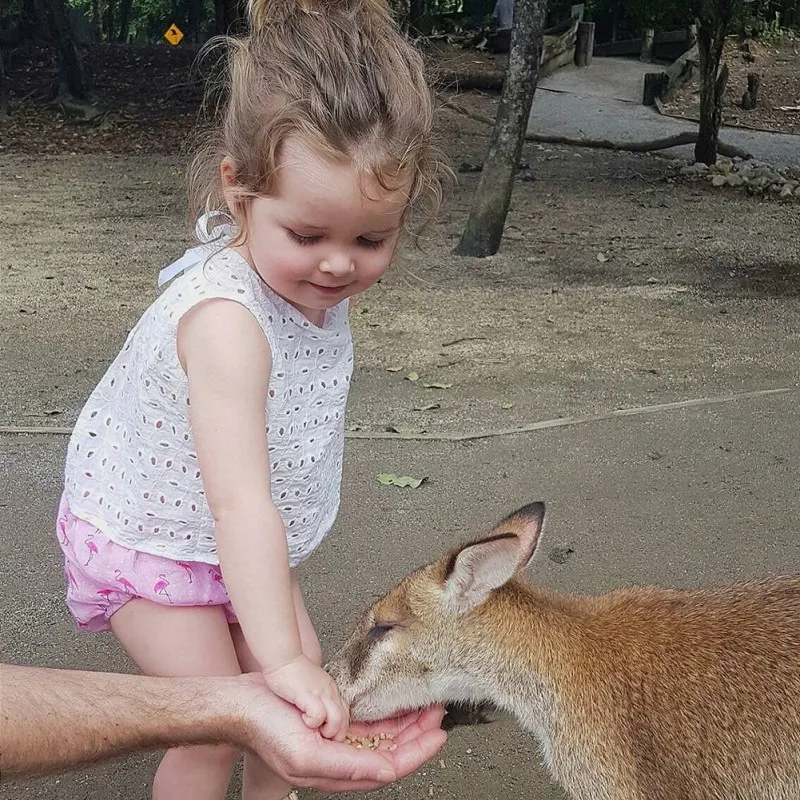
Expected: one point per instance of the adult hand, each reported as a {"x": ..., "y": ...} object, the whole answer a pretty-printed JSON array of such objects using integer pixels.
[{"x": 275, "y": 731}]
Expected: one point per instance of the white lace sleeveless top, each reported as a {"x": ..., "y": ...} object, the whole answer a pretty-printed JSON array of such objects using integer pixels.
[{"x": 131, "y": 467}]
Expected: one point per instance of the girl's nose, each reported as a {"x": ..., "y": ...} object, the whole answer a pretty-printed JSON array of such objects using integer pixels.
[{"x": 337, "y": 264}]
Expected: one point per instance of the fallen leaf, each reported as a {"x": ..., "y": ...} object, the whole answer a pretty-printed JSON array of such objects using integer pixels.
[
  {"x": 412, "y": 376},
  {"x": 393, "y": 369},
  {"x": 354, "y": 427},
  {"x": 429, "y": 407},
  {"x": 602, "y": 258},
  {"x": 506, "y": 406},
  {"x": 403, "y": 481},
  {"x": 437, "y": 385},
  {"x": 52, "y": 412}
]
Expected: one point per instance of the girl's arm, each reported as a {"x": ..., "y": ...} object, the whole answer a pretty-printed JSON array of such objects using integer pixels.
[{"x": 227, "y": 361}]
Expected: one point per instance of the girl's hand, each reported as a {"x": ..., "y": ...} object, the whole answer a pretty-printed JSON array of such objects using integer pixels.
[{"x": 307, "y": 686}]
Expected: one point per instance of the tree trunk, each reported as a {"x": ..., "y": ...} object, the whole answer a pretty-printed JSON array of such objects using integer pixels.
[
  {"x": 488, "y": 215},
  {"x": 416, "y": 16},
  {"x": 229, "y": 17},
  {"x": 4, "y": 103},
  {"x": 71, "y": 76},
  {"x": 194, "y": 19},
  {"x": 109, "y": 21},
  {"x": 124, "y": 20},
  {"x": 711, "y": 31},
  {"x": 41, "y": 18}
]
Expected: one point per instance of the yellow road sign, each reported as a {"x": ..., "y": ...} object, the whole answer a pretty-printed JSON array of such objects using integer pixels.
[{"x": 174, "y": 34}]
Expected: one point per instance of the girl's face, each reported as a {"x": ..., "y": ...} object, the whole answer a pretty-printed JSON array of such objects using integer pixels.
[{"x": 326, "y": 234}]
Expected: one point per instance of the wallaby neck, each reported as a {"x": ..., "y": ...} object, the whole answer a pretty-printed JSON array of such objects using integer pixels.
[{"x": 518, "y": 643}]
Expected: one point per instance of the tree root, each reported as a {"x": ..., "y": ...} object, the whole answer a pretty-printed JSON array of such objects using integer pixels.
[
  {"x": 79, "y": 111},
  {"x": 686, "y": 137}
]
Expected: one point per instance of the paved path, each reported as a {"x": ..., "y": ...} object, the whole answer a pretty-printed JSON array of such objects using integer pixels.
[{"x": 603, "y": 101}]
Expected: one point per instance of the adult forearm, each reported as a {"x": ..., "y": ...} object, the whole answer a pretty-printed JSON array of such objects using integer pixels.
[
  {"x": 255, "y": 565},
  {"x": 53, "y": 719}
]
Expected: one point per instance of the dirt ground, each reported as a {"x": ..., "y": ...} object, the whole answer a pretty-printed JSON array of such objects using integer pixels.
[
  {"x": 616, "y": 286},
  {"x": 777, "y": 62},
  {"x": 698, "y": 293}
]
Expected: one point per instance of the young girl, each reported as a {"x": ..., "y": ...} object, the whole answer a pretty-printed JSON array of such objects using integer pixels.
[{"x": 207, "y": 462}]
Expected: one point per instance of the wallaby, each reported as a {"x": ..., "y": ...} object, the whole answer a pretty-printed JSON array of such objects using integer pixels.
[{"x": 639, "y": 694}]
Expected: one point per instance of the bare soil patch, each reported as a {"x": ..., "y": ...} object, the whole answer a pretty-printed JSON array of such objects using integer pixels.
[
  {"x": 615, "y": 285},
  {"x": 778, "y": 65}
]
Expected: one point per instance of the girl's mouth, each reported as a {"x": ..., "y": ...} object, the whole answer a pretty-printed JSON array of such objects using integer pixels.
[{"x": 328, "y": 289}]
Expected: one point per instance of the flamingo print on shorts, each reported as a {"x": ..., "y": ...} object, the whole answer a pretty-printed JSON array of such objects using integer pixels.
[
  {"x": 117, "y": 575},
  {"x": 106, "y": 594},
  {"x": 71, "y": 581},
  {"x": 160, "y": 587},
  {"x": 124, "y": 582},
  {"x": 91, "y": 547},
  {"x": 217, "y": 576},
  {"x": 62, "y": 533}
]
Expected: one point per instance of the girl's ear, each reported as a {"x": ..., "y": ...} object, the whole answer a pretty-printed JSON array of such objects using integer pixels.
[{"x": 227, "y": 173}]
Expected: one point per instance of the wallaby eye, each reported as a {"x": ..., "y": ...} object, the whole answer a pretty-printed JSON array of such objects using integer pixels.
[{"x": 379, "y": 630}]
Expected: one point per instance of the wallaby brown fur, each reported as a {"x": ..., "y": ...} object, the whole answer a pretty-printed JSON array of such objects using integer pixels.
[{"x": 639, "y": 694}]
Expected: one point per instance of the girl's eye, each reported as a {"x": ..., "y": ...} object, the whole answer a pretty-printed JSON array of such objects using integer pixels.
[
  {"x": 302, "y": 240},
  {"x": 378, "y": 631},
  {"x": 370, "y": 244}
]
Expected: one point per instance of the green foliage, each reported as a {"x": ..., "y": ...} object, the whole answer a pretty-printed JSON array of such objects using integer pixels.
[
  {"x": 764, "y": 19},
  {"x": 150, "y": 18},
  {"x": 11, "y": 14},
  {"x": 652, "y": 13},
  {"x": 633, "y": 16}
]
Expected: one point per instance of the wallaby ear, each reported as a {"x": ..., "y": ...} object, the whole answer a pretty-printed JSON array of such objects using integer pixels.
[
  {"x": 477, "y": 568},
  {"x": 526, "y": 523}
]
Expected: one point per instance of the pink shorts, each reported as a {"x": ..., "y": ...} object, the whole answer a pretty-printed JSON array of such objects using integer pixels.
[{"x": 103, "y": 575}]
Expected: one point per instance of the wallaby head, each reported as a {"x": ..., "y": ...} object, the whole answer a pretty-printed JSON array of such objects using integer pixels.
[
  {"x": 638, "y": 694},
  {"x": 422, "y": 642}
]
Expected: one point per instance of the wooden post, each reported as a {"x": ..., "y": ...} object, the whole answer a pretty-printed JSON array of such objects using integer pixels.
[
  {"x": 584, "y": 44},
  {"x": 655, "y": 84},
  {"x": 750, "y": 97},
  {"x": 648, "y": 42}
]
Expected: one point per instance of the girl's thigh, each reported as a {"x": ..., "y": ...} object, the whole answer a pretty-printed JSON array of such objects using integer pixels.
[
  {"x": 174, "y": 641},
  {"x": 308, "y": 636}
]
